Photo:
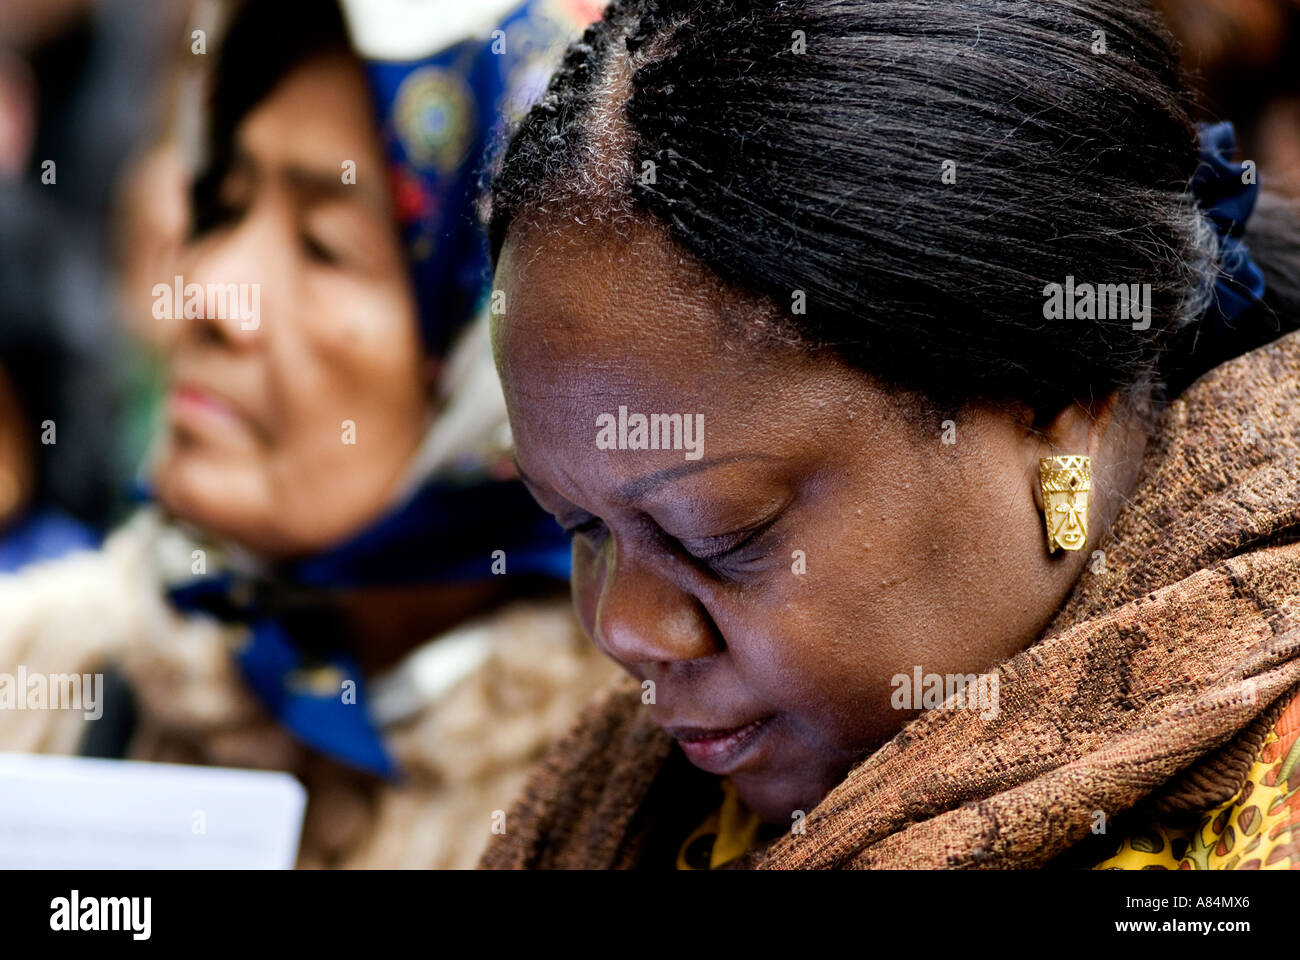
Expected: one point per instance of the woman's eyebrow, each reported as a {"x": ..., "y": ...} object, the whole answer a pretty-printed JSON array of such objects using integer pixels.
[
  {"x": 636, "y": 490},
  {"x": 315, "y": 183},
  {"x": 319, "y": 184}
]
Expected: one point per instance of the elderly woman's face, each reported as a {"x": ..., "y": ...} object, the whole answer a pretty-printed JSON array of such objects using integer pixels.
[
  {"x": 289, "y": 430},
  {"x": 772, "y": 582}
]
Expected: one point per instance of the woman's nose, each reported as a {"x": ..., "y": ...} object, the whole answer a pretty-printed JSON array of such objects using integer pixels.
[
  {"x": 643, "y": 617},
  {"x": 228, "y": 272}
]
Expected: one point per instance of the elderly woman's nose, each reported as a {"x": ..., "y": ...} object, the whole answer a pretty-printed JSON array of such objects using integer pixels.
[
  {"x": 643, "y": 617},
  {"x": 241, "y": 274}
]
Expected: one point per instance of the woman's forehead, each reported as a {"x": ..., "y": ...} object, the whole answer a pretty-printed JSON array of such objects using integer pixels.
[
  {"x": 315, "y": 119},
  {"x": 597, "y": 317},
  {"x": 627, "y": 283}
]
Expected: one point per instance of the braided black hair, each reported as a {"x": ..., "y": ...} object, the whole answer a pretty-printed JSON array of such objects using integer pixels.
[{"x": 797, "y": 145}]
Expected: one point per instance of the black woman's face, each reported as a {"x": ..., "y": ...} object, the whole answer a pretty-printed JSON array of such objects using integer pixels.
[{"x": 819, "y": 543}]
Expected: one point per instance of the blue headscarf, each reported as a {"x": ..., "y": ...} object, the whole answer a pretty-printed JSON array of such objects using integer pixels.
[
  {"x": 441, "y": 115},
  {"x": 438, "y": 114}
]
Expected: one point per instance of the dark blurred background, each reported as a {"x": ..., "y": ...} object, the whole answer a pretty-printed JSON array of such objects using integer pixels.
[{"x": 88, "y": 166}]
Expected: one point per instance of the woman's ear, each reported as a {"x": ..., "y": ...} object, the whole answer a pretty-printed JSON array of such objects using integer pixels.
[{"x": 1080, "y": 428}]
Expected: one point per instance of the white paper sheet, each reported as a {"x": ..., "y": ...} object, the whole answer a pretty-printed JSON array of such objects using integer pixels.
[{"x": 62, "y": 812}]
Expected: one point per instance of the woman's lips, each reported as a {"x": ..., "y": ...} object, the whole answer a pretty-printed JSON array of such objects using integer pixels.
[
  {"x": 195, "y": 406},
  {"x": 718, "y": 751}
]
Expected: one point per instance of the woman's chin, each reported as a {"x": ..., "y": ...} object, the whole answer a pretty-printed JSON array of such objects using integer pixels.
[
  {"x": 217, "y": 501},
  {"x": 779, "y": 802}
]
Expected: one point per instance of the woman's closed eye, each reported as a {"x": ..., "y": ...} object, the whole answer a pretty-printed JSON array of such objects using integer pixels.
[
  {"x": 318, "y": 251},
  {"x": 213, "y": 212},
  {"x": 586, "y": 526},
  {"x": 224, "y": 203},
  {"x": 225, "y": 211},
  {"x": 342, "y": 235},
  {"x": 718, "y": 552},
  {"x": 724, "y": 551}
]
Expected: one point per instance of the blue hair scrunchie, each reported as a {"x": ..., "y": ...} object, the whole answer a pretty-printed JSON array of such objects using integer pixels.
[{"x": 1228, "y": 201}]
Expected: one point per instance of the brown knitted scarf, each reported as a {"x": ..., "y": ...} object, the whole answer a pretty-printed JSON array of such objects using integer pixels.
[{"x": 1152, "y": 689}]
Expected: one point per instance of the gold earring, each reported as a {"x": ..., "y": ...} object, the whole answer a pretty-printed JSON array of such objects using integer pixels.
[{"x": 1066, "y": 483}]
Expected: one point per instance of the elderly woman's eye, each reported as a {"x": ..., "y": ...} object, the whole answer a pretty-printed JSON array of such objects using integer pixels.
[
  {"x": 221, "y": 202},
  {"x": 225, "y": 211},
  {"x": 212, "y": 212},
  {"x": 318, "y": 251}
]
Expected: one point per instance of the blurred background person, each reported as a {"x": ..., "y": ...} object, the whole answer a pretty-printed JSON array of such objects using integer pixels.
[
  {"x": 1241, "y": 56},
  {"x": 39, "y": 371},
  {"x": 76, "y": 81},
  {"x": 336, "y": 573}
]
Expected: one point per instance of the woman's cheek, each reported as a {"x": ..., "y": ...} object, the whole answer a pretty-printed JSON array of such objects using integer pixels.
[{"x": 788, "y": 639}]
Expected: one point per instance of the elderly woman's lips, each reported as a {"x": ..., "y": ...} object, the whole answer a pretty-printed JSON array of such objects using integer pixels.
[
  {"x": 719, "y": 751},
  {"x": 189, "y": 403}
]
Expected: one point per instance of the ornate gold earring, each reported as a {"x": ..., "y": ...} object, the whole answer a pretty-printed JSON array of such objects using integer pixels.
[{"x": 1066, "y": 483}]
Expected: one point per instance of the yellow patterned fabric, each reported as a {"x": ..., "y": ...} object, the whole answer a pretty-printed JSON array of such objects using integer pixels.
[
  {"x": 1258, "y": 829},
  {"x": 728, "y": 832}
]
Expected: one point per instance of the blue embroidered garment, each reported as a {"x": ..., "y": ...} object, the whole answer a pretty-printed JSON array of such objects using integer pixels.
[
  {"x": 440, "y": 116},
  {"x": 445, "y": 533}
]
